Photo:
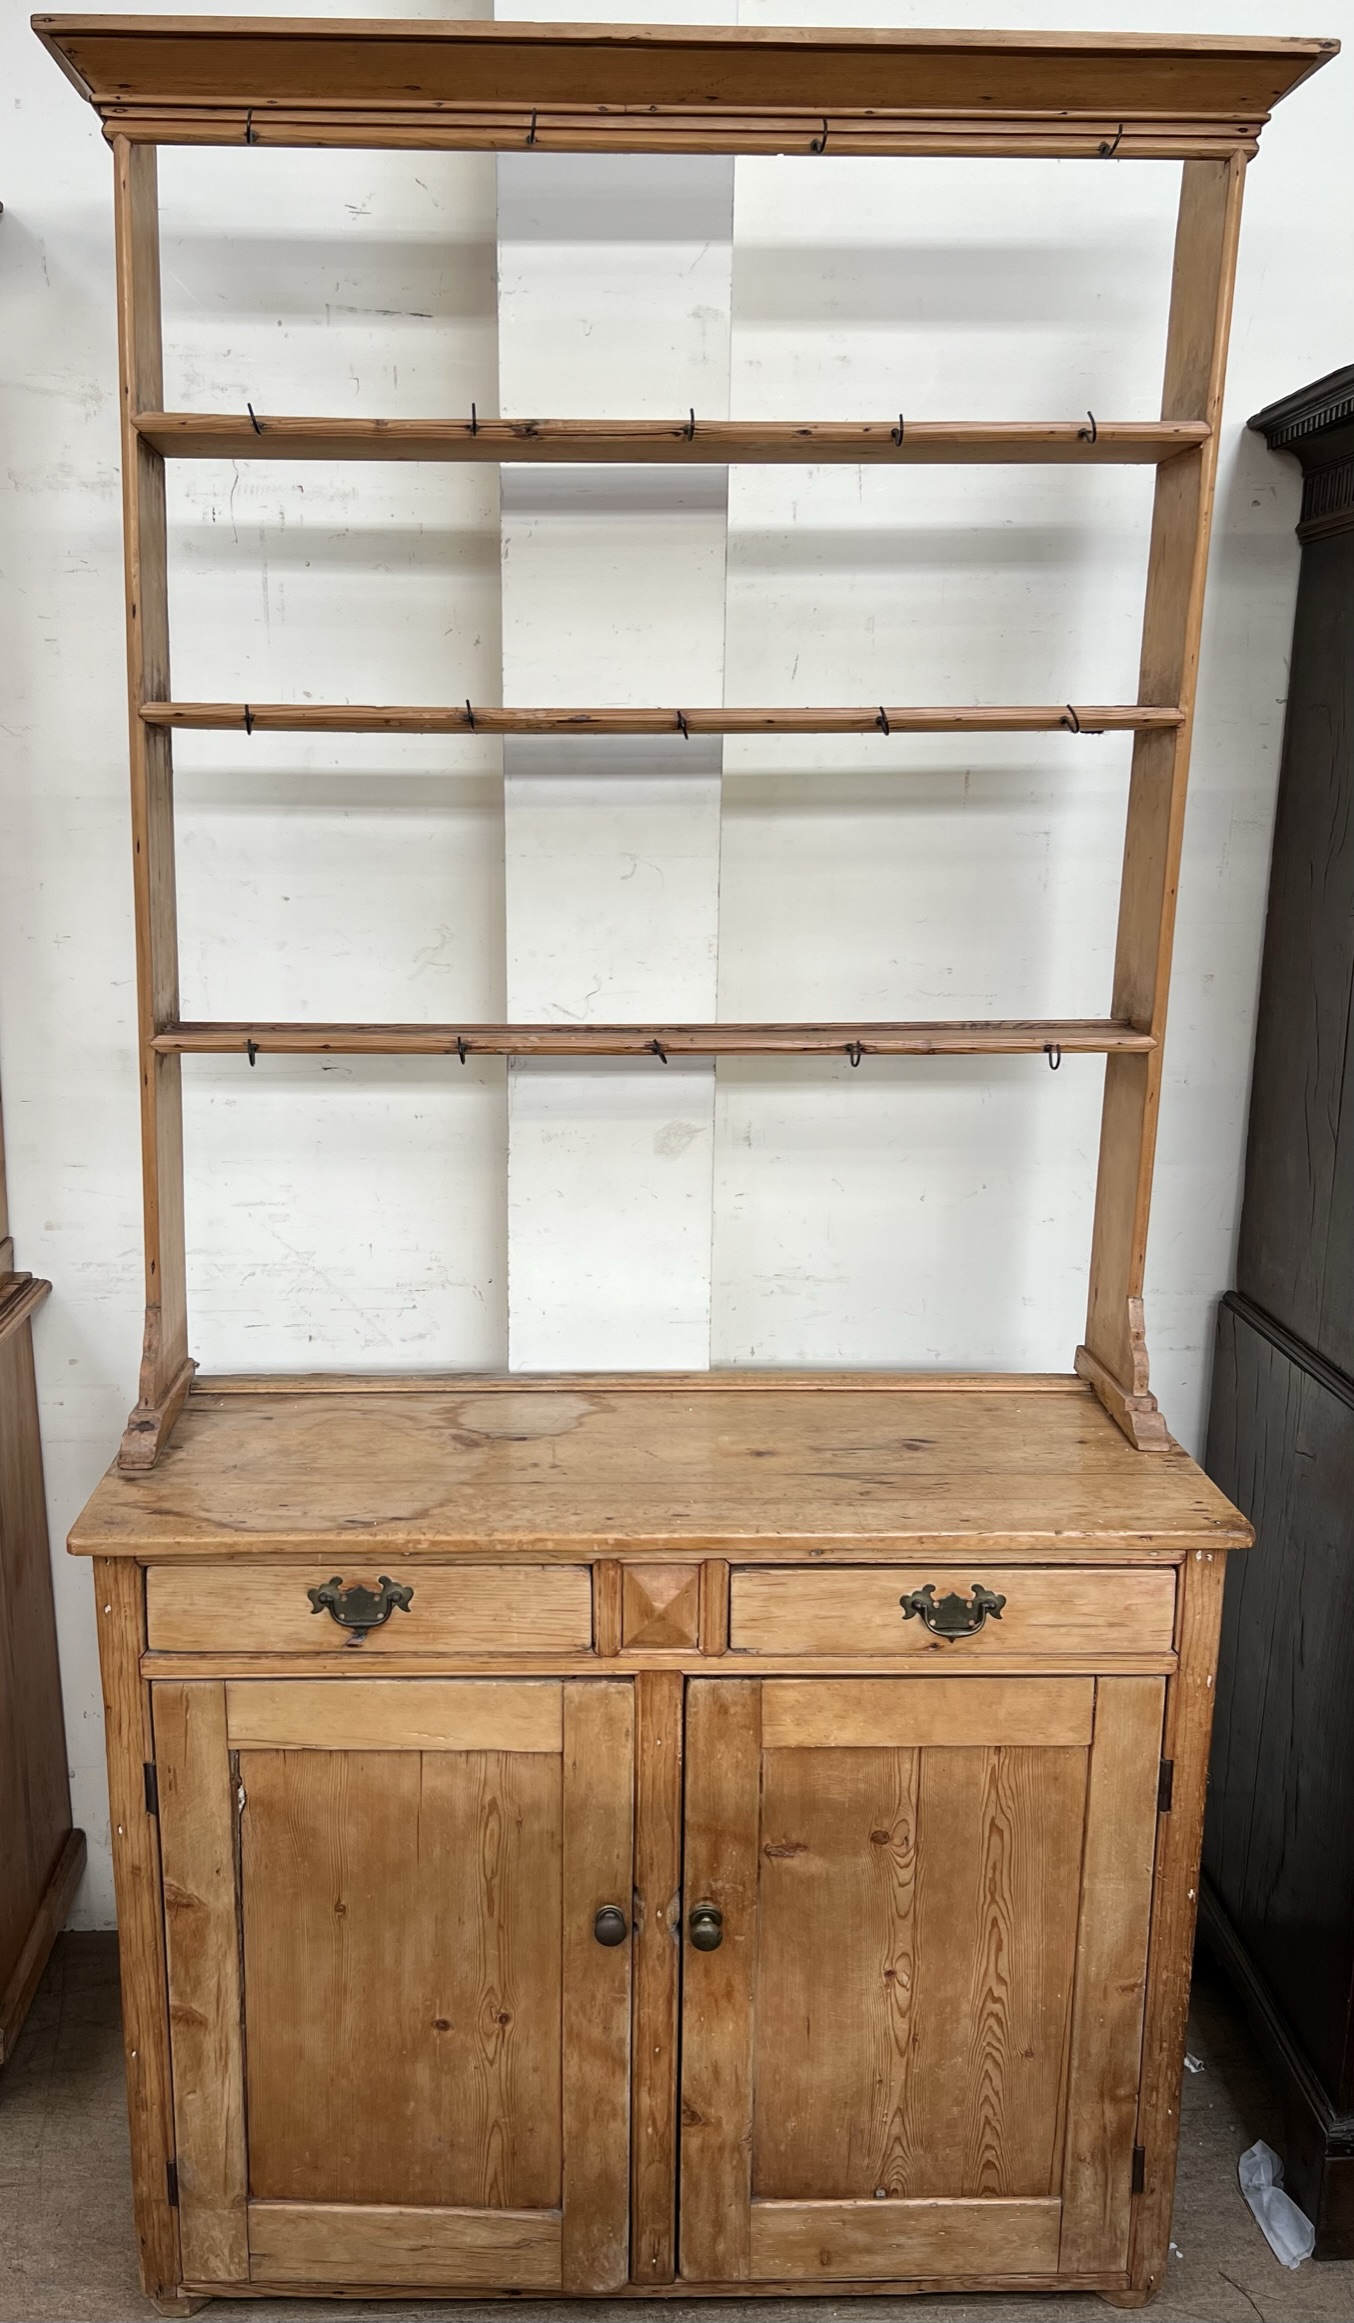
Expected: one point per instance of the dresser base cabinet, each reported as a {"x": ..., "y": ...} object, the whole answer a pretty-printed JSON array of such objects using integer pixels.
[{"x": 605, "y": 1841}]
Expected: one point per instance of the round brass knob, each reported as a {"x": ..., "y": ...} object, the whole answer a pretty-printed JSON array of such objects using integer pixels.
[
  {"x": 611, "y": 1926},
  {"x": 706, "y": 1927}
]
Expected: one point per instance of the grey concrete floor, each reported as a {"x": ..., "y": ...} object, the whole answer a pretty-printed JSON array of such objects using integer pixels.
[{"x": 66, "y": 2249}]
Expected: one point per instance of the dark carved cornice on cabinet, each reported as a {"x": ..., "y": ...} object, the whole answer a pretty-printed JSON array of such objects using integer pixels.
[{"x": 1317, "y": 426}]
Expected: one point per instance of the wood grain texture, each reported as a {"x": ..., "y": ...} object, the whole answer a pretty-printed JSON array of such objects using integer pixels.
[
  {"x": 337, "y": 2245},
  {"x": 606, "y": 1606},
  {"x": 859, "y": 1611},
  {"x": 932, "y": 1037},
  {"x": 836, "y": 1972},
  {"x": 407, "y": 2056},
  {"x": 944, "y": 1713},
  {"x": 140, "y": 367},
  {"x": 1111, "y": 1974},
  {"x": 396, "y": 1714},
  {"x": 808, "y": 2239},
  {"x": 722, "y": 1785},
  {"x": 35, "y": 1808},
  {"x": 999, "y": 1847},
  {"x": 193, "y": 435},
  {"x": 491, "y": 718},
  {"x": 714, "y": 1606},
  {"x": 119, "y": 1605},
  {"x": 659, "y": 1743},
  {"x": 1196, "y": 353},
  {"x": 1175, "y": 1899},
  {"x": 484, "y": 1609},
  {"x": 197, "y": 1845},
  {"x": 599, "y": 1859},
  {"x": 176, "y": 75},
  {"x": 567, "y": 1469},
  {"x": 660, "y": 1606}
]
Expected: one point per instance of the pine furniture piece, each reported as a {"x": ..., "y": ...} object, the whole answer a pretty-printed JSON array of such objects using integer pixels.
[
  {"x": 41, "y": 1857},
  {"x": 1278, "y": 1899},
  {"x": 524, "y": 1788}
]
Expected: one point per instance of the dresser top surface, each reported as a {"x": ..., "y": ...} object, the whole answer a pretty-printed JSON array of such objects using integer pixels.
[{"x": 571, "y": 1466}]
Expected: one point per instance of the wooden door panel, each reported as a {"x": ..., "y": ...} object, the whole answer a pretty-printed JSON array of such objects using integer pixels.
[
  {"x": 920, "y": 2036},
  {"x": 402, "y": 1976},
  {"x": 917, "y": 1934},
  {"x": 888, "y": 2239},
  {"x": 723, "y": 1746},
  {"x": 428, "y": 1714},
  {"x": 350, "y": 2243},
  {"x": 599, "y": 1857},
  {"x": 380, "y": 1898},
  {"x": 1102, "y": 2102},
  {"x": 202, "y": 1958}
]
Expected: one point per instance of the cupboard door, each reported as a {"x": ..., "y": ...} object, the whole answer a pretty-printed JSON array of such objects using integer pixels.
[
  {"x": 400, "y": 2033},
  {"x": 914, "y": 2051}
]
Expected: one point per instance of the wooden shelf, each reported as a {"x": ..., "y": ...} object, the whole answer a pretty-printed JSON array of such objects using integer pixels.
[
  {"x": 193, "y": 435},
  {"x": 397, "y": 718},
  {"x": 597, "y": 88},
  {"x": 1069, "y": 1036},
  {"x": 693, "y": 88}
]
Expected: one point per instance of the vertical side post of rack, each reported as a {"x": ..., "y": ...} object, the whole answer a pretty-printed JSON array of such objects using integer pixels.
[
  {"x": 1114, "y": 1358},
  {"x": 166, "y": 1369}
]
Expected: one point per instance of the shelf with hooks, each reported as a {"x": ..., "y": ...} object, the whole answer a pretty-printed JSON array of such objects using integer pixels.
[
  {"x": 453, "y": 84},
  {"x": 475, "y": 718},
  {"x": 1050, "y": 1036},
  {"x": 890, "y": 443}
]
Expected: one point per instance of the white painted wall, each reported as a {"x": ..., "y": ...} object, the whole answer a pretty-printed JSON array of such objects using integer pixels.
[{"x": 387, "y": 1213}]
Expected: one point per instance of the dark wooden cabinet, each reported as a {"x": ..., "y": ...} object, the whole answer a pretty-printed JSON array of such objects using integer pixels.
[
  {"x": 41, "y": 1857},
  {"x": 1278, "y": 1902}
]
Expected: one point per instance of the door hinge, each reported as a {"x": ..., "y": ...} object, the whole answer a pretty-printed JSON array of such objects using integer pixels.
[
  {"x": 172, "y": 2184},
  {"x": 1138, "y": 2182},
  {"x": 152, "y": 1788},
  {"x": 1165, "y": 1786}
]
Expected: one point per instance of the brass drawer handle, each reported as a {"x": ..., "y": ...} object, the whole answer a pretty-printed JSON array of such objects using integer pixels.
[
  {"x": 611, "y": 1926},
  {"x": 706, "y": 1927},
  {"x": 954, "y": 1616},
  {"x": 358, "y": 1608}
]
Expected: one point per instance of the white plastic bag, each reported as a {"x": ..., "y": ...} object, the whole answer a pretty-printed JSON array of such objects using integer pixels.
[{"x": 1288, "y": 2231}]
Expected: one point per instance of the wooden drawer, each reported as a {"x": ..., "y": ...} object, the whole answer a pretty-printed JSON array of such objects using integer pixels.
[
  {"x": 1050, "y": 1611},
  {"x": 454, "y": 1609}
]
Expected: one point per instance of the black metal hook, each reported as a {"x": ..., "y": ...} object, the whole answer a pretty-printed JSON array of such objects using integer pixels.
[
  {"x": 657, "y": 1049},
  {"x": 253, "y": 421},
  {"x": 250, "y": 136},
  {"x": 474, "y": 421},
  {"x": 460, "y": 1048},
  {"x": 819, "y": 144},
  {"x": 882, "y": 721},
  {"x": 1053, "y": 1050},
  {"x": 1072, "y": 722},
  {"x": 682, "y": 727},
  {"x": 690, "y": 429},
  {"x": 248, "y": 719},
  {"x": 855, "y": 1052},
  {"x": 897, "y": 432},
  {"x": 1088, "y": 435},
  {"x": 1105, "y": 150},
  {"x": 470, "y": 716},
  {"x": 531, "y": 133},
  {"x": 251, "y": 1050}
]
